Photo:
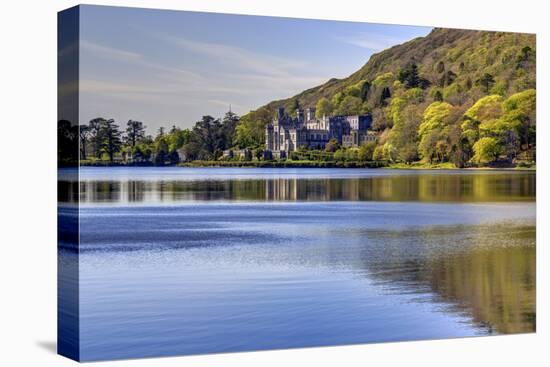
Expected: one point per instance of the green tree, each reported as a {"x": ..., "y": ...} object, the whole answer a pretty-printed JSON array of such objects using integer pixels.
[
  {"x": 95, "y": 128},
  {"x": 383, "y": 80},
  {"x": 366, "y": 151},
  {"x": 433, "y": 132},
  {"x": 323, "y": 107},
  {"x": 440, "y": 67},
  {"x": 486, "y": 150},
  {"x": 389, "y": 152},
  {"x": 482, "y": 116},
  {"x": 84, "y": 132},
  {"x": 378, "y": 153},
  {"x": 434, "y": 117},
  {"x": 410, "y": 77},
  {"x": 336, "y": 100},
  {"x": 526, "y": 55},
  {"x": 403, "y": 135},
  {"x": 384, "y": 96},
  {"x": 229, "y": 129},
  {"x": 428, "y": 145},
  {"x": 447, "y": 79},
  {"x": 486, "y": 81},
  {"x": 135, "y": 131},
  {"x": 141, "y": 152},
  {"x": 250, "y": 130},
  {"x": 340, "y": 155},
  {"x": 332, "y": 146},
  {"x": 206, "y": 139},
  {"x": 351, "y": 154},
  {"x": 485, "y": 110},
  {"x": 365, "y": 91},
  {"x": 177, "y": 138},
  {"x": 111, "y": 138},
  {"x": 161, "y": 149},
  {"x": 258, "y": 153},
  {"x": 350, "y": 105},
  {"x": 520, "y": 112}
]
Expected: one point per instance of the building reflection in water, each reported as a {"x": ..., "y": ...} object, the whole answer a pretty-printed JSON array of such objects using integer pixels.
[
  {"x": 429, "y": 188},
  {"x": 485, "y": 272}
]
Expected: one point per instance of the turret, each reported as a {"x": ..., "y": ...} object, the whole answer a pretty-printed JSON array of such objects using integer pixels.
[
  {"x": 280, "y": 113},
  {"x": 310, "y": 113},
  {"x": 300, "y": 114}
]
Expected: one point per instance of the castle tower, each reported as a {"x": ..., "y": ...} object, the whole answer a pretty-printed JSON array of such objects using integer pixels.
[
  {"x": 280, "y": 113},
  {"x": 310, "y": 113},
  {"x": 300, "y": 115}
]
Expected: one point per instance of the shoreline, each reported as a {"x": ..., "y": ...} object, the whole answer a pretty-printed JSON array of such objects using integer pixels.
[{"x": 306, "y": 164}]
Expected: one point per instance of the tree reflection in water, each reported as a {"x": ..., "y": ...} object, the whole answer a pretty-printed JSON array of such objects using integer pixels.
[
  {"x": 491, "y": 276},
  {"x": 412, "y": 187}
]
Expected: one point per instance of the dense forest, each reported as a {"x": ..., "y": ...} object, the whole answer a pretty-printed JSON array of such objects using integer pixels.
[
  {"x": 103, "y": 140},
  {"x": 465, "y": 98},
  {"x": 459, "y": 96}
]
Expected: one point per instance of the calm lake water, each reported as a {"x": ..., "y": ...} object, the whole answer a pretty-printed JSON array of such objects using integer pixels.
[{"x": 185, "y": 261}]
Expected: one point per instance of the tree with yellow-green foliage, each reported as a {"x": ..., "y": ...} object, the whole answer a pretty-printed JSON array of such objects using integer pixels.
[
  {"x": 484, "y": 111},
  {"x": 510, "y": 123},
  {"x": 378, "y": 153},
  {"x": 486, "y": 108},
  {"x": 403, "y": 135},
  {"x": 486, "y": 150},
  {"x": 434, "y": 117},
  {"x": 386, "y": 152},
  {"x": 350, "y": 105},
  {"x": 383, "y": 80},
  {"x": 472, "y": 78},
  {"x": 250, "y": 131},
  {"x": 366, "y": 151},
  {"x": 433, "y": 132},
  {"x": 520, "y": 111},
  {"x": 323, "y": 108}
]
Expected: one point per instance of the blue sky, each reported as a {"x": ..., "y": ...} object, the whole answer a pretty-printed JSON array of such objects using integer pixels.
[{"x": 172, "y": 67}]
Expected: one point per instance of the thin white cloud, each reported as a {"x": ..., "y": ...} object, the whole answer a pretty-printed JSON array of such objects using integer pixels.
[
  {"x": 242, "y": 73},
  {"x": 133, "y": 58},
  {"x": 238, "y": 58},
  {"x": 229, "y": 75},
  {"x": 108, "y": 52}
]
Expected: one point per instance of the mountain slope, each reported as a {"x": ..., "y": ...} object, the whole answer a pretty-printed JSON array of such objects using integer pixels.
[
  {"x": 439, "y": 82},
  {"x": 468, "y": 54}
]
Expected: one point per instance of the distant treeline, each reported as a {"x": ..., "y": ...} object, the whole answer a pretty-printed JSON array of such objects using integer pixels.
[
  {"x": 103, "y": 140},
  {"x": 455, "y": 97},
  {"x": 494, "y": 129}
]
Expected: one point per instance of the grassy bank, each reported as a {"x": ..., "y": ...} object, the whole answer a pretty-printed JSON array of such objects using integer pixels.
[
  {"x": 284, "y": 164},
  {"x": 102, "y": 163},
  {"x": 421, "y": 165},
  {"x": 449, "y": 165},
  {"x": 312, "y": 164}
]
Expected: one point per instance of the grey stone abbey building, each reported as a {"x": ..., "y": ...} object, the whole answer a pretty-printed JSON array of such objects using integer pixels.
[{"x": 287, "y": 134}]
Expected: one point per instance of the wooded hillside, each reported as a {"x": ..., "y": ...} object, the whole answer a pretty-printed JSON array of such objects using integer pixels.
[{"x": 454, "y": 95}]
